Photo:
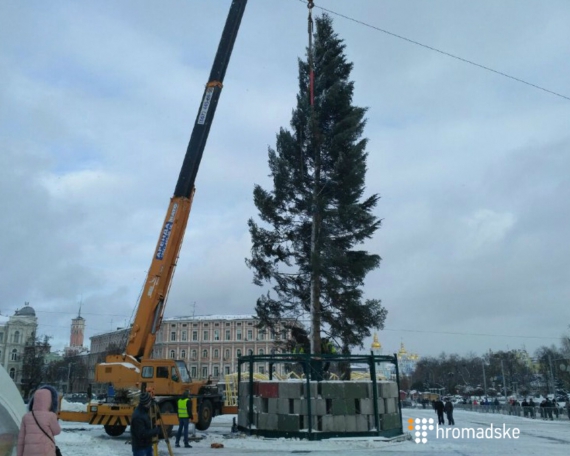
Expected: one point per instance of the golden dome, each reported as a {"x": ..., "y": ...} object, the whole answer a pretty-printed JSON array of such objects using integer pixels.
[
  {"x": 375, "y": 343},
  {"x": 403, "y": 350}
]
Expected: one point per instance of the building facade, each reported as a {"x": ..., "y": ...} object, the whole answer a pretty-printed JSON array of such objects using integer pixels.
[
  {"x": 16, "y": 332},
  {"x": 211, "y": 344}
]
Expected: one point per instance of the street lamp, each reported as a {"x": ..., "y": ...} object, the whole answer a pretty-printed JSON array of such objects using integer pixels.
[{"x": 484, "y": 377}]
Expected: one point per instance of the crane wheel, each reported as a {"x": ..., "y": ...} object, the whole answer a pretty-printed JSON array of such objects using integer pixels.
[
  {"x": 115, "y": 430},
  {"x": 205, "y": 412}
]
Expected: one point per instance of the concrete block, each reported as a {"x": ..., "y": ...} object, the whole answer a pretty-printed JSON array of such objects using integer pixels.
[
  {"x": 310, "y": 391},
  {"x": 366, "y": 406},
  {"x": 272, "y": 406},
  {"x": 361, "y": 423},
  {"x": 288, "y": 423},
  {"x": 390, "y": 421},
  {"x": 332, "y": 390},
  {"x": 355, "y": 390},
  {"x": 339, "y": 407},
  {"x": 286, "y": 406},
  {"x": 318, "y": 407},
  {"x": 258, "y": 405},
  {"x": 267, "y": 421},
  {"x": 243, "y": 403},
  {"x": 317, "y": 423},
  {"x": 269, "y": 389},
  {"x": 290, "y": 390},
  {"x": 381, "y": 406},
  {"x": 242, "y": 418},
  {"x": 391, "y": 405},
  {"x": 372, "y": 423},
  {"x": 339, "y": 423},
  {"x": 328, "y": 423},
  {"x": 350, "y": 423},
  {"x": 387, "y": 389}
]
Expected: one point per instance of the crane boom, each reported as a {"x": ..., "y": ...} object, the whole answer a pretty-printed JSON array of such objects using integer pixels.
[{"x": 153, "y": 298}]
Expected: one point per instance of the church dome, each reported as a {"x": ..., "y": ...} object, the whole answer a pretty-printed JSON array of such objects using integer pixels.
[
  {"x": 26, "y": 311},
  {"x": 375, "y": 343}
]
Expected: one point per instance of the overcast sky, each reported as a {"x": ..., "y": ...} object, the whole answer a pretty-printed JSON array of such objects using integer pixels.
[{"x": 98, "y": 100}]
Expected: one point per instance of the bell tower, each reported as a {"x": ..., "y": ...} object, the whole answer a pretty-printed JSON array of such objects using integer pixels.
[{"x": 77, "y": 332}]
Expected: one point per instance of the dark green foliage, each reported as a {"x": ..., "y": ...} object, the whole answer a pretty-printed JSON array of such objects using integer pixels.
[
  {"x": 33, "y": 363},
  {"x": 318, "y": 169}
]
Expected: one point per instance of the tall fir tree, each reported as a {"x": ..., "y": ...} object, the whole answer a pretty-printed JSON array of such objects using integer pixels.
[{"x": 315, "y": 216}]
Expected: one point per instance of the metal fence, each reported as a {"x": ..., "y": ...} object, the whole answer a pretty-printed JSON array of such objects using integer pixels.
[{"x": 536, "y": 412}]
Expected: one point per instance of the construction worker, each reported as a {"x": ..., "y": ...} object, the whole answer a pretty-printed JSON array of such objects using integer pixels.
[
  {"x": 184, "y": 415},
  {"x": 327, "y": 348}
]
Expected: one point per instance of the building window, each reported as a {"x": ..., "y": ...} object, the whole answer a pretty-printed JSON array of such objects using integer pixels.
[
  {"x": 227, "y": 370},
  {"x": 250, "y": 334},
  {"x": 184, "y": 335},
  {"x": 250, "y": 352},
  {"x": 227, "y": 324},
  {"x": 216, "y": 371},
  {"x": 238, "y": 352},
  {"x": 183, "y": 354},
  {"x": 262, "y": 369},
  {"x": 205, "y": 372},
  {"x": 227, "y": 355},
  {"x": 194, "y": 371},
  {"x": 216, "y": 353},
  {"x": 206, "y": 335},
  {"x": 172, "y": 336},
  {"x": 261, "y": 352},
  {"x": 13, "y": 374},
  {"x": 17, "y": 337},
  {"x": 1, "y": 337},
  {"x": 14, "y": 356},
  {"x": 284, "y": 334},
  {"x": 228, "y": 334},
  {"x": 204, "y": 353},
  {"x": 238, "y": 334},
  {"x": 194, "y": 335},
  {"x": 194, "y": 356},
  {"x": 216, "y": 334},
  {"x": 261, "y": 335},
  {"x": 172, "y": 354}
]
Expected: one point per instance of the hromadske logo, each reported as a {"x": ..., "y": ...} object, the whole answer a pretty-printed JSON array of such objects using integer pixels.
[{"x": 421, "y": 427}]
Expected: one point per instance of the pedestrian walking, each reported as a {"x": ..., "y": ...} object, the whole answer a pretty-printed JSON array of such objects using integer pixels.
[
  {"x": 184, "y": 416},
  {"x": 142, "y": 429},
  {"x": 438, "y": 406},
  {"x": 39, "y": 426},
  {"x": 448, "y": 407}
]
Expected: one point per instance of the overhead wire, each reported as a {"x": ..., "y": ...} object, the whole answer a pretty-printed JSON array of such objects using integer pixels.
[{"x": 448, "y": 54}]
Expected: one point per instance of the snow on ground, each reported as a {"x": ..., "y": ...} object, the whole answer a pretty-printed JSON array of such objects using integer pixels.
[{"x": 537, "y": 437}]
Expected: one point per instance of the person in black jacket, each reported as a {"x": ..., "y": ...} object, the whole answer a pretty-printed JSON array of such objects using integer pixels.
[
  {"x": 142, "y": 431},
  {"x": 448, "y": 407},
  {"x": 438, "y": 406}
]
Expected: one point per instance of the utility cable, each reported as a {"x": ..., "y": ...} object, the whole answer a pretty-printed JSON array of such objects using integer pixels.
[{"x": 448, "y": 54}]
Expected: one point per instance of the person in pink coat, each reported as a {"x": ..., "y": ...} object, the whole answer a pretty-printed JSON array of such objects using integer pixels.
[{"x": 31, "y": 440}]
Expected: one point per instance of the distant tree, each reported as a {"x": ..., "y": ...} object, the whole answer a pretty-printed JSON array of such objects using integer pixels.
[
  {"x": 33, "y": 363},
  {"x": 316, "y": 215}
]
